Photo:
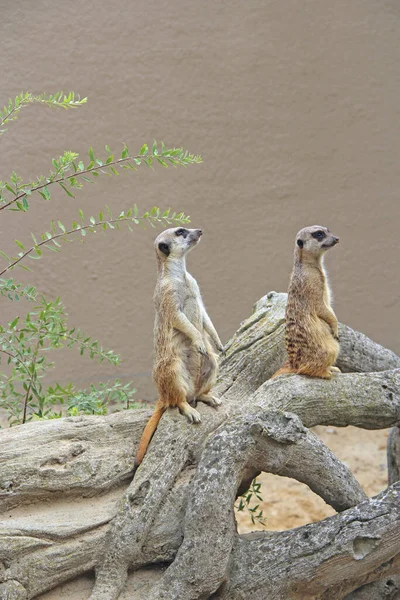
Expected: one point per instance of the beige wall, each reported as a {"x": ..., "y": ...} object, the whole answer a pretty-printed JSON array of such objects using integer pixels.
[{"x": 295, "y": 107}]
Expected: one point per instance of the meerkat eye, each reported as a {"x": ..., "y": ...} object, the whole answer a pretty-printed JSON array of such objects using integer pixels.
[
  {"x": 318, "y": 235},
  {"x": 181, "y": 232},
  {"x": 300, "y": 243}
]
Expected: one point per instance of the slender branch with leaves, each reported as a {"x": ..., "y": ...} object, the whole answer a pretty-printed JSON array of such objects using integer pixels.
[
  {"x": 25, "y": 343},
  {"x": 248, "y": 502},
  {"x": 70, "y": 173},
  {"x": 58, "y": 100}
]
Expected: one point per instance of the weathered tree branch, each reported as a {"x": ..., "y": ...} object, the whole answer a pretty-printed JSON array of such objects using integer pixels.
[
  {"x": 274, "y": 442},
  {"x": 393, "y": 455},
  {"x": 87, "y": 515},
  {"x": 387, "y": 588},
  {"x": 370, "y": 401},
  {"x": 48, "y": 459},
  {"x": 321, "y": 561}
]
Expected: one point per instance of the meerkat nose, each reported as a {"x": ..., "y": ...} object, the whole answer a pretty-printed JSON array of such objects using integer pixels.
[
  {"x": 200, "y": 231},
  {"x": 336, "y": 239}
]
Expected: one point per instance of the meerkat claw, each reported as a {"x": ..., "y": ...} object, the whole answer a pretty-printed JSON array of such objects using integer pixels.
[
  {"x": 202, "y": 349},
  {"x": 192, "y": 415},
  {"x": 210, "y": 400},
  {"x": 217, "y": 401}
]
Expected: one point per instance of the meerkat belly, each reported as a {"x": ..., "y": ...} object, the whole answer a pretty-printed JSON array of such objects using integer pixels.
[
  {"x": 321, "y": 338},
  {"x": 181, "y": 342},
  {"x": 193, "y": 311},
  {"x": 197, "y": 363},
  {"x": 304, "y": 335}
]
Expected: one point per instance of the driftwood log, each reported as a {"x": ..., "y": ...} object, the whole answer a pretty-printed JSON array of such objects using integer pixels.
[{"x": 69, "y": 504}]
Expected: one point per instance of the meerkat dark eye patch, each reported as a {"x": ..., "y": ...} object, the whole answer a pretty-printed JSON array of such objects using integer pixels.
[
  {"x": 300, "y": 243},
  {"x": 164, "y": 248},
  {"x": 182, "y": 232},
  {"x": 318, "y": 235}
]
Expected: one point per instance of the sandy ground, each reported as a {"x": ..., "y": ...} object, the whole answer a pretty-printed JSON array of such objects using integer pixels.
[{"x": 286, "y": 503}]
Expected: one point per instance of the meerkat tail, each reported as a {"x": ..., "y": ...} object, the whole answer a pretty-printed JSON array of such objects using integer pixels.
[
  {"x": 148, "y": 432},
  {"x": 284, "y": 370}
]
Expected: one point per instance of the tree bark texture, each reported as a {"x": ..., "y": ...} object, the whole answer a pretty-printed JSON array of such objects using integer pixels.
[{"x": 69, "y": 503}]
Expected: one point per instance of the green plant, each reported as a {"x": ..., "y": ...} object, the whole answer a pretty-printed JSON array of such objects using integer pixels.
[
  {"x": 247, "y": 502},
  {"x": 25, "y": 342},
  {"x": 96, "y": 400}
]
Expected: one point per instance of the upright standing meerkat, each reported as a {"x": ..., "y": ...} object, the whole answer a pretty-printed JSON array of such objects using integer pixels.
[
  {"x": 312, "y": 341},
  {"x": 185, "y": 364}
]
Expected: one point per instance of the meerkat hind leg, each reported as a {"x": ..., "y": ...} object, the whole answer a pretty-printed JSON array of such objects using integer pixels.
[
  {"x": 335, "y": 370},
  {"x": 209, "y": 399},
  {"x": 192, "y": 415}
]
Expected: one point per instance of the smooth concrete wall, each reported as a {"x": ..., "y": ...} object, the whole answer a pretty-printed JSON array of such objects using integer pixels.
[{"x": 295, "y": 108}]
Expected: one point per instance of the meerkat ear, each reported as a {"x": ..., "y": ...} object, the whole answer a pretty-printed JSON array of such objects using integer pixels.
[
  {"x": 300, "y": 243},
  {"x": 164, "y": 248}
]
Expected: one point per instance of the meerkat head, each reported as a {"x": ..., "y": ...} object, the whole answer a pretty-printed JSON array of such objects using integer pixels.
[
  {"x": 176, "y": 242},
  {"x": 315, "y": 240}
]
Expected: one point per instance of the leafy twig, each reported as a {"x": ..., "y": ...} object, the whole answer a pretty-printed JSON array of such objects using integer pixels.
[
  {"x": 162, "y": 155},
  {"x": 33, "y": 376},
  {"x": 246, "y": 501},
  {"x": 57, "y": 100},
  {"x": 14, "y": 291},
  {"x": 151, "y": 217}
]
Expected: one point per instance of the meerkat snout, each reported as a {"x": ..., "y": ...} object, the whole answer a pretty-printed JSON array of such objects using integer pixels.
[
  {"x": 195, "y": 235},
  {"x": 331, "y": 241}
]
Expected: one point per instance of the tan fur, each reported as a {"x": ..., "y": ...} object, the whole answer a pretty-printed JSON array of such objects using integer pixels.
[
  {"x": 311, "y": 325},
  {"x": 185, "y": 364}
]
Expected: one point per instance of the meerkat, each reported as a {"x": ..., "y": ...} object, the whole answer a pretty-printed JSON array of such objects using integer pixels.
[
  {"x": 312, "y": 341},
  {"x": 185, "y": 363}
]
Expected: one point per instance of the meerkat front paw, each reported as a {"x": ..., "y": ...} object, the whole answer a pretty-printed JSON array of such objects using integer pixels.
[
  {"x": 335, "y": 333},
  {"x": 201, "y": 347}
]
